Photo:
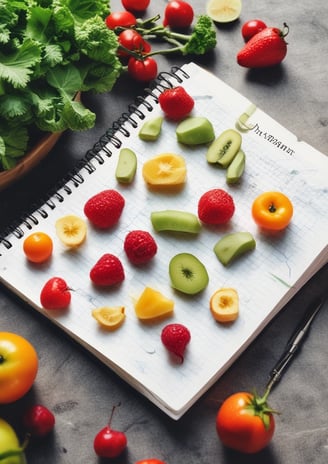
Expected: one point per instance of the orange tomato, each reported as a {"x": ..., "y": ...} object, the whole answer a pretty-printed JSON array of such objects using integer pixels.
[
  {"x": 272, "y": 210},
  {"x": 38, "y": 247},
  {"x": 18, "y": 367}
]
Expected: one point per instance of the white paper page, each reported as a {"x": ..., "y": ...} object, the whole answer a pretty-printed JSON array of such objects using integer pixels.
[{"x": 263, "y": 278}]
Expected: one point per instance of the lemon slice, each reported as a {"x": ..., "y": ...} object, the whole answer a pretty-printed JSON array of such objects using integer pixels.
[
  {"x": 224, "y": 11},
  {"x": 164, "y": 170},
  {"x": 224, "y": 305},
  {"x": 71, "y": 230},
  {"x": 109, "y": 317}
]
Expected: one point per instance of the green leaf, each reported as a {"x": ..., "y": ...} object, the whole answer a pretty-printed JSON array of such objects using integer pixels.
[
  {"x": 66, "y": 79},
  {"x": 17, "y": 67}
]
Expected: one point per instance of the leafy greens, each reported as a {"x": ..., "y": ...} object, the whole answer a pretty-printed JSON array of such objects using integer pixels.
[{"x": 49, "y": 51}]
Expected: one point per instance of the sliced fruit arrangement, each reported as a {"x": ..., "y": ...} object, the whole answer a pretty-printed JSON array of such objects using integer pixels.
[
  {"x": 109, "y": 317},
  {"x": 71, "y": 230},
  {"x": 224, "y": 305},
  {"x": 224, "y": 11},
  {"x": 188, "y": 274},
  {"x": 152, "y": 304},
  {"x": 166, "y": 169}
]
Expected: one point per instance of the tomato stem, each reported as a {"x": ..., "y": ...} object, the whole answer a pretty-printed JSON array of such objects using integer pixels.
[{"x": 272, "y": 208}]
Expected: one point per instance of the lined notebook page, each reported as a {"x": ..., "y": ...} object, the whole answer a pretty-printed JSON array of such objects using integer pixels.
[{"x": 265, "y": 278}]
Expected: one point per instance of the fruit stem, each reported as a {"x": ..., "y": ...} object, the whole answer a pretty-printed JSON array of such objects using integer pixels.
[
  {"x": 285, "y": 30},
  {"x": 112, "y": 412}
]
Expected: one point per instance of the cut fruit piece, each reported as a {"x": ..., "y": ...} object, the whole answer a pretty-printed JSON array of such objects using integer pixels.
[
  {"x": 224, "y": 11},
  {"x": 126, "y": 166},
  {"x": 151, "y": 129},
  {"x": 224, "y": 148},
  {"x": 188, "y": 274},
  {"x": 230, "y": 246},
  {"x": 236, "y": 168},
  {"x": 165, "y": 170},
  {"x": 195, "y": 130},
  {"x": 71, "y": 230},
  {"x": 153, "y": 304},
  {"x": 175, "y": 221},
  {"x": 224, "y": 305},
  {"x": 109, "y": 317}
]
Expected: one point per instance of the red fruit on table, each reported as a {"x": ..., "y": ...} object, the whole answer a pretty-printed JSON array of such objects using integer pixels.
[
  {"x": 216, "y": 206},
  {"x": 266, "y": 48},
  {"x": 178, "y": 14},
  {"x": 107, "y": 271},
  {"x": 104, "y": 208},
  {"x": 38, "y": 420},
  {"x": 252, "y": 27},
  {"x": 139, "y": 246},
  {"x": 55, "y": 294},
  {"x": 176, "y": 103},
  {"x": 109, "y": 443},
  {"x": 175, "y": 337}
]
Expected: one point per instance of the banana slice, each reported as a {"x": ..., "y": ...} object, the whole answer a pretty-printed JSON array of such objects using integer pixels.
[
  {"x": 224, "y": 11},
  {"x": 110, "y": 318},
  {"x": 71, "y": 230}
]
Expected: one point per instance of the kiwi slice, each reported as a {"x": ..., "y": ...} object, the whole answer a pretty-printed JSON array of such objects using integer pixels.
[{"x": 188, "y": 274}]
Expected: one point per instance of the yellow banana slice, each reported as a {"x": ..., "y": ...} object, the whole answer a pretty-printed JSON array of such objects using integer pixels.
[
  {"x": 224, "y": 305},
  {"x": 71, "y": 230}
]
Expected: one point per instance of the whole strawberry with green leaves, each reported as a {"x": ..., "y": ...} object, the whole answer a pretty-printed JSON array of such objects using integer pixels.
[{"x": 266, "y": 48}]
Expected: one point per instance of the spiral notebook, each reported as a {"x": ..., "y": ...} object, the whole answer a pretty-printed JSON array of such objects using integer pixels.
[{"x": 266, "y": 278}]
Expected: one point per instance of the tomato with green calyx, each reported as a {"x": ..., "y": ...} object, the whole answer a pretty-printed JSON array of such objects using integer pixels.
[
  {"x": 120, "y": 19},
  {"x": 10, "y": 450},
  {"x": 18, "y": 367},
  {"x": 133, "y": 41},
  {"x": 142, "y": 70},
  {"x": 272, "y": 211},
  {"x": 245, "y": 422},
  {"x": 135, "y": 5},
  {"x": 252, "y": 27}
]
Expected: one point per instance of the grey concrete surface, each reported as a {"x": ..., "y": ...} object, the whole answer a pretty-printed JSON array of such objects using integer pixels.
[{"x": 81, "y": 391}]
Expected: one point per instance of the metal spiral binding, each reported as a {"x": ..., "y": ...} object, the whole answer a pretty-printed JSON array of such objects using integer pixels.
[{"x": 97, "y": 153}]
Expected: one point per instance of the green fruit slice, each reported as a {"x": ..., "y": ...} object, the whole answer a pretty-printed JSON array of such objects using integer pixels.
[
  {"x": 151, "y": 129},
  {"x": 195, "y": 130},
  {"x": 233, "y": 245},
  {"x": 223, "y": 11},
  {"x": 126, "y": 166},
  {"x": 175, "y": 221},
  {"x": 236, "y": 168},
  {"x": 224, "y": 148},
  {"x": 188, "y": 274}
]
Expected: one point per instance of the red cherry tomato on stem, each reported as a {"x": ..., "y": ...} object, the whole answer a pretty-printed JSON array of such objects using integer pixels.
[
  {"x": 252, "y": 27},
  {"x": 109, "y": 443},
  {"x": 178, "y": 14},
  {"x": 120, "y": 18},
  {"x": 245, "y": 423},
  {"x": 135, "y": 5},
  {"x": 142, "y": 70},
  {"x": 133, "y": 41},
  {"x": 272, "y": 211}
]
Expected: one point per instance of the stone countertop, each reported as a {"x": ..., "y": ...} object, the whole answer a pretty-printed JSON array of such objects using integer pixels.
[{"x": 81, "y": 391}]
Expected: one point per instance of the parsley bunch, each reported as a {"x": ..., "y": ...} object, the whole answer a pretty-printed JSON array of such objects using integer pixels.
[{"x": 49, "y": 51}]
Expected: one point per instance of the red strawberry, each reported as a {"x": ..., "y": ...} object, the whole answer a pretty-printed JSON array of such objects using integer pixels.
[
  {"x": 216, "y": 207},
  {"x": 266, "y": 48},
  {"x": 107, "y": 271},
  {"x": 176, "y": 103},
  {"x": 140, "y": 247},
  {"x": 105, "y": 208},
  {"x": 38, "y": 420},
  {"x": 55, "y": 294},
  {"x": 175, "y": 338}
]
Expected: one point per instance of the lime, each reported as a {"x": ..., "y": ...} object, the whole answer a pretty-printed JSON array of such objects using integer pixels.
[{"x": 224, "y": 11}]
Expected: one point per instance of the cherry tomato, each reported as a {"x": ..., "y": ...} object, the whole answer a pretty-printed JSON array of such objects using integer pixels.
[
  {"x": 38, "y": 420},
  {"x": 240, "y": 426},
  {"x": 38, "y": 247},
  {"x": 142, "y": 70},
  {"x": 272, "y": 211},
  {"x": 178, "y": 14},
  {"x": 18, "y": 366},
  {"x": 120, "y": 18},
  {"x": 132, "y": 40},
  {"x": 150, "y": 461},
  {"x": 252, "y": 27},
  {"x": 135, "y": 5}
]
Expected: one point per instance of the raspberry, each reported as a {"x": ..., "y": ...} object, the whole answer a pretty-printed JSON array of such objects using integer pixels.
[
  {"x": 139, "y": 246},
  {"x": 175, "y": 338},
  {"x": 107, "y": 271},
  {"x": 176, "y": 103},
  {"x": 216, "y": 207},
  {"x": 105, "y": 208}
]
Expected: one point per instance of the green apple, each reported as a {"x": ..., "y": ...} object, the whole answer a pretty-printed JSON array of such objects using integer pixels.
[{"x": 10, "y": 450}]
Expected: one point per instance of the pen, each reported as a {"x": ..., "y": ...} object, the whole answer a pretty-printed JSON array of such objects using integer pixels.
[{"x": 295, "y": 341}]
